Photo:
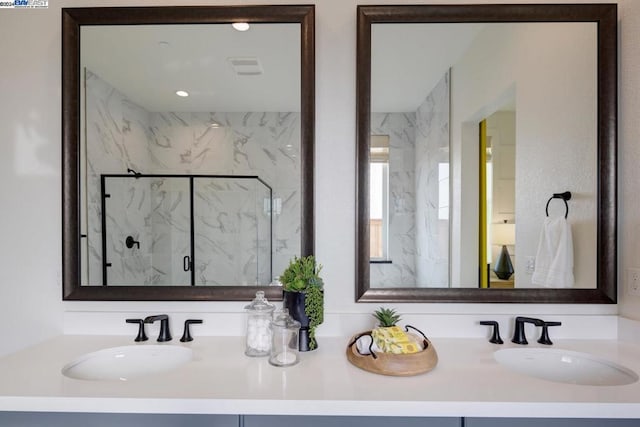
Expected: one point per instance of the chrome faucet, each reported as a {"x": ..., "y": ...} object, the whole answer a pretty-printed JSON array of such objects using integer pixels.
[{"x": 165, "y": 334}]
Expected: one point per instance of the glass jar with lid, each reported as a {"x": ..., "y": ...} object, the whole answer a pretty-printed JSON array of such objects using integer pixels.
[
  {"x": 284, "y": 344},
  {"x": 259, "y": 315}
]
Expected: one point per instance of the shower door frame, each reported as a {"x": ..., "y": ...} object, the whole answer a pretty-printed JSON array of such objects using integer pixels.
[{"x": 104, "y": 196}]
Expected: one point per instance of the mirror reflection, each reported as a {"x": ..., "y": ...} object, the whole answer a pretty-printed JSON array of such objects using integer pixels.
[
  {"x": 473, "y": 128},
  {"x": 187, "y": 150},
  {"x": 510, "y": 74},
  {"x": 190, "y": 153}
]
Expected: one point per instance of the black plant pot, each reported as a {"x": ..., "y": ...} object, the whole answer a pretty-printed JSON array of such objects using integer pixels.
[{"x": 294, "y": 303}]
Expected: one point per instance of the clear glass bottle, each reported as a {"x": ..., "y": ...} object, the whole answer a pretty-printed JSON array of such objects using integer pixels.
[
  {"x": 259, "y": 315},
  {"x": 284, "y": 344}
]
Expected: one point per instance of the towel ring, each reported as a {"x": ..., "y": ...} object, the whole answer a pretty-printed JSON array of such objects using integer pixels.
[{"x": 564, "y": 196}]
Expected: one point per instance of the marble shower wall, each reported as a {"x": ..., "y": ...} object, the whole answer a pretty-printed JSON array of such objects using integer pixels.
[
  {"x": 263, "y": 144},
  {"x": 123, "y": 135},
  {"x": 401, "y": 130},
  {"x": 418, "y": 220},
  {"x": 112, "y": 123},
  {"x": 432, "y": 213}
]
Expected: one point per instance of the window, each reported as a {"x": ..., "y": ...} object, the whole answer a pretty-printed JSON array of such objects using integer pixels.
[{"x": 379, "y": 197}]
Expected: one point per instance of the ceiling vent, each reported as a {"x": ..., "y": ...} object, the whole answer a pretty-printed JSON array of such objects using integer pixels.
[{"x": 246, "y": 66}]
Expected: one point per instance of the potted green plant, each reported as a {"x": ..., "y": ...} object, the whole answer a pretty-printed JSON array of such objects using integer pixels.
[{"x": 303, "y": 297}]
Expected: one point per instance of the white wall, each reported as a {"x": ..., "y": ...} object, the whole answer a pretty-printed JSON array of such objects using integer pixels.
[
  {"x": 30, "y": 293},
  {"x": 629, "y": 155}
]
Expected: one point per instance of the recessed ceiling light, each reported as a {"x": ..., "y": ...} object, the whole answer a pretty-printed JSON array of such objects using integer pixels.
[
  {"x": 240, "y": 26},
  {"x": 182, "y": 93}
]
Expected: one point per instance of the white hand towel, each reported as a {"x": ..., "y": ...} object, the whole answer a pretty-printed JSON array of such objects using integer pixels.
[
  {"x": 554, "y": 260},
  {"x": 363, "y": 344}
]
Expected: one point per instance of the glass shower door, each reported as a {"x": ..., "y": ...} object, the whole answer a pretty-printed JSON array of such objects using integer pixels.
[
  {"x": 232, "y": 231},
  {"x": 147, "y": 231}
]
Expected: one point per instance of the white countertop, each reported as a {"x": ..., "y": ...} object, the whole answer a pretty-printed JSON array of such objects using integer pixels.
[{"x": 222, "y": 380}]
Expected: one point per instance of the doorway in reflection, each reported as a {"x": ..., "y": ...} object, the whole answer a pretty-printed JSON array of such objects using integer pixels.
[{"x": 497, "y": 177}]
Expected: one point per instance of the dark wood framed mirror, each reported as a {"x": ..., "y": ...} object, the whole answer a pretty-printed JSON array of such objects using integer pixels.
[
  {"x": 285, "y": 198},
  {"x": 388, "y": 30}
]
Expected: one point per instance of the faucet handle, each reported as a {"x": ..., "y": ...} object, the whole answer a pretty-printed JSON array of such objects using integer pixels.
[
  {"x": 141, "y": 335},
  {"x": 495, "y": 336},
  {"x": 544, "y": 336},
  {"x": 186, "y": 335}
]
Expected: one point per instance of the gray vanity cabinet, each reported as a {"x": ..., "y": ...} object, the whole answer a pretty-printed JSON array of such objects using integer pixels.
[
  {"x": 59, "y": 419},
  {"x": 547, "y": 422},
  {"x": 326, "y": 421}
]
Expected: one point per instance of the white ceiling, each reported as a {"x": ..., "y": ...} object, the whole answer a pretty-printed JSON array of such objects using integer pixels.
[
  {"x": 408, "y": 60},
  {"x": 149, "y": 63}
]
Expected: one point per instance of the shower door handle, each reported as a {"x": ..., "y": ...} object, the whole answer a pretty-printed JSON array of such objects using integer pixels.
[{"x": 186, "y": 263}]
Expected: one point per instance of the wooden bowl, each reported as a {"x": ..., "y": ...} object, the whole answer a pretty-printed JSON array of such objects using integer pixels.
[{"x": 402, "y": 365}]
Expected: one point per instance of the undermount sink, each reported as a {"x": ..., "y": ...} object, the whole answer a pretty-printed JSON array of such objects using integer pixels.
[
  {"x": 565, "y": 366},
  {"x": 127, "y": 362}
]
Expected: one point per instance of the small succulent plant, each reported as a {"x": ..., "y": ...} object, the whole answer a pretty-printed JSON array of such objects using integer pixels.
[
  {"x": 301, "y": 274},
  {"x": 386, "y": 317}
]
